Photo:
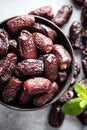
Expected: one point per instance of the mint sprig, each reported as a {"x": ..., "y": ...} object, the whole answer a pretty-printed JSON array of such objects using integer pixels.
[{"x": 76, "y": 105}]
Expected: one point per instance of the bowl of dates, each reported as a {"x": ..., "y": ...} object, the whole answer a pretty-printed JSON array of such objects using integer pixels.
[{"x": 36, "y": 62}]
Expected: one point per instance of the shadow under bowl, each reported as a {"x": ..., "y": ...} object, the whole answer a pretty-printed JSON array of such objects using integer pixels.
[{"x": 63, "y": 40}]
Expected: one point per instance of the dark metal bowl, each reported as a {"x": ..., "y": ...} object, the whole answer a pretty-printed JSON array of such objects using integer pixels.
[{"x": 62, "y": 39}]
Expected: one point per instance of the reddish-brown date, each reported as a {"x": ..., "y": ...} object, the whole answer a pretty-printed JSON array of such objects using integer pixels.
[
  {"x": 27, "y": 47},
  {"x": 51, "y": 67},
  {"x": 84, "y": 64},
  {"x": 42, "y": 42},
  {"x": 63, "y": 15},
  {"x": 11, "y": 89},
  {"x": 84, "y": 82},
  {"x": 84, "y": 14},
  {"x": 79, "y": 2},
  {"x": 24, "y": 98},
  {"x": 19, "y": 23},
  {"x": 37, "y": 85},
  {"x": 63, "y": 57},
  {"x": 56, "y": 117},
  {"x": 41, "y": 28},
  {"x": 76, "y": 69},
  {"x": 7, "y": 66},
  {"x": 4, "y": 44},
  {"x": 42, "y": 99},
  {"x": 46, "y": 12},
  {"x": 29, "y": 67},
  {"x": 76, "y": 35}
]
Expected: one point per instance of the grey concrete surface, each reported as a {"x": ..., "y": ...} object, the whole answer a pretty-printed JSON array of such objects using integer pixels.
[{"x": 34, "y": 120}]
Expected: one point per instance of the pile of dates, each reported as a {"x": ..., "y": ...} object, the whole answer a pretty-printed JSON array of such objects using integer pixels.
[{"x": 32, "y": 63}]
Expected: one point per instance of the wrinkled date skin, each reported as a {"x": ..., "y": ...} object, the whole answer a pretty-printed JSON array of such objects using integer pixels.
[
  {"x": 56, "y": 117},
  {"x": 7, "y": 66},
  {"x": 24, "y": 98},
  {"x": 63, "y": 15},
  {"x": 83, "y": 117},
  {"x": 37, "y": 85},
  {"x": 41, "y": 100},
  {"x": 76, "y": 35},
  {"x": 19, "y": 23},
  {"x": 51, "y": 67},
  {"x": 76, "y": 69},
  {"x": 11, "y": 89},
  {"x": 79, "y": 2},
  {"x": 29, "y": 67},
  {"x": 41, "y": 28},
  {"x": 84, "y": 65},
  {"x": 68, "y": 95},
  {"x": 63, "y": 57},
  {"x": 13, "y": 46},
  {"x": 42, "y": 42},
  {"x": 84, "y": 15},
  {"x": 46, "y": 12},
  {"x": 27, "y": 47},
  {"x": 4, "y": 44}
]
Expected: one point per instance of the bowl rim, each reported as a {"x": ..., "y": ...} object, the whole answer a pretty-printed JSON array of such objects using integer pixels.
[{"x": 66, "y": 85}]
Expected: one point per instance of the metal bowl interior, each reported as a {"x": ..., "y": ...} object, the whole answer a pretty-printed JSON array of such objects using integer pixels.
[{"x": 62, "y": 39}]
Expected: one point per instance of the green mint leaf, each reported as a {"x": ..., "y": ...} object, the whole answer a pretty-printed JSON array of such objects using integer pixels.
[
  {"x": 83, "y": 104},
  {"x": 80, "y": 90},
  {"x": 72, "y": 107}
]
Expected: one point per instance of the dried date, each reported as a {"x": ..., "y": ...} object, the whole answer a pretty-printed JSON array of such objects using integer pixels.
[
  {"x": 11, "y": 89},
  {"x": 46, "y": 12},
  {"x": 19, "y": 23},
  {"x": 42, "y": 42},
  {"x": 4, "y": 44},
  {"x": 63, "y": 57},
  {"x": 7, "y": 66},
  {"x": 41, "y": 28},
  {"x": 51, "y": 67},
  {"x": 76, "y": 69},
  {"x": 29, "y": 67},
  {"x": 37, "y": 85},
  {"x": 42, "y": 99},
  {"x": 63, "y": 15},
  {"x": 27, "y": 47},
  {"x": 56, "y": 117},
  {"x": 84, "y": 14},
  {"x": 62, "y": 76},
  {"x": 76, "y": 35},
  {"x": 13, "y": 46},
  {"x": 84, "y": 82},
  {"x": 24, "y": 98}
]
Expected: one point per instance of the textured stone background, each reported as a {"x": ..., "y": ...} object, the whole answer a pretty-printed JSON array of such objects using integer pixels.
[{"x": 34, "y": 120}]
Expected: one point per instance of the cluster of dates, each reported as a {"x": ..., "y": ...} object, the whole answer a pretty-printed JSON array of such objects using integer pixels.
[{"x": 32, "y": 64}]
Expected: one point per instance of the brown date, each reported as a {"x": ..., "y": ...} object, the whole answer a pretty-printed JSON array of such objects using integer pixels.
[
  {"x": 29, "y": 67},
  {"x": 56, "y": 117},
  {"x": 42, "y": 99},
  {"x": 51, "y": 67},
  {"x": 42, "y": 42},
  {"x": 63, "y": 15},
  {"x": 27, "y": 47},
  {"x": 63, "y": 57},
  {"x": 84, "y": 82},
  {"x": 19, "y": 23},
  {"x": 37, "y": 85},
  {"x": 4, "y": 44},
  {"x": 11, "y": 89},
  {"x": 62, "y": 76},
  {"x": 76, "y": 35},
  {"x": 41, "y": 28},
  {"x": 7, "y": 66},
  {"x": 84, "y": 14},
  {"x": 79, "y": 2},
  {"x": 46, "y": 12},
  {"x": 24, "y": 98}
]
